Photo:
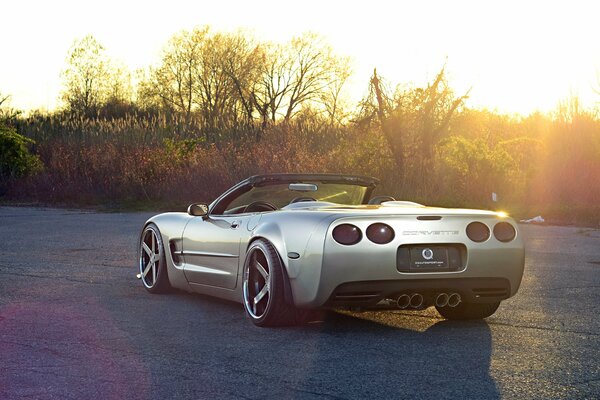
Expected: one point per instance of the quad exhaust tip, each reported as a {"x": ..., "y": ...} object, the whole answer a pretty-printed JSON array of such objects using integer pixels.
[
  {"x": 403, "y": 301},
  {"x": 454, "y": 300},
  {"x": 441, "y": 300},
  {"x": 445, "y": 299},
  {"x": 414, "y": 300}
]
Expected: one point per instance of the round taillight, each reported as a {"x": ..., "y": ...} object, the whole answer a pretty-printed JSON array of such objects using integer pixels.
[
  {"x": 478, "y": 232},
  {"x": 380, "y": 233},
  {"x": 504, "y": 232},
  {"x": 347, "y": 234}
]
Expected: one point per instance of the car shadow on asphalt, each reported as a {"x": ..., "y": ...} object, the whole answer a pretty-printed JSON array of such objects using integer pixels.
[
  {"x": 430, "y": 357},
  {"x": 413, "y": 354}
]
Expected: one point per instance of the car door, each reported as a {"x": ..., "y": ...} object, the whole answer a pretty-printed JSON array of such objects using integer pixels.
[{"x": 211, "y": 248}]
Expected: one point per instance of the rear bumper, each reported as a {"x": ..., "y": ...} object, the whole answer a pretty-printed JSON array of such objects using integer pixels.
[
  {"x": 498, "y": 271},
  {"x": 368, "y": 294}
]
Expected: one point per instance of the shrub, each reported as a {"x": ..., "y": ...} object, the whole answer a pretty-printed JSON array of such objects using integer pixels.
[{"x": 16, "y": 161}]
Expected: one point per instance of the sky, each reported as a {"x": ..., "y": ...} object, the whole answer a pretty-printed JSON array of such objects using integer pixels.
[{"x": 515, "y": 56}]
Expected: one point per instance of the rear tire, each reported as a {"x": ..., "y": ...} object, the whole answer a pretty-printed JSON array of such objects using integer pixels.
[
  {"x": 263, "y": 288},
  {"x": 468, "y": 311}
]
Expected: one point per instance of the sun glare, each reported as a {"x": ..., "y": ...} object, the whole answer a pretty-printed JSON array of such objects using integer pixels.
[{"x": 512, "y": 56}]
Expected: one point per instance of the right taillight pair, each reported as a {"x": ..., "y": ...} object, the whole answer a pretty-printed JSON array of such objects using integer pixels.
[{"x": 479, "y": 232}]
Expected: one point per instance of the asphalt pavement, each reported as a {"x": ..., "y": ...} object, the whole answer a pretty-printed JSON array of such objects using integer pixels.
[{"x": 76, "y": 324}]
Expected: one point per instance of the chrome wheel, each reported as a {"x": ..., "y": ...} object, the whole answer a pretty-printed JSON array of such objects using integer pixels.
[
  {"x": 257, "y": 284},
  {"x": 150, "y": 257},
  {"x": 263, "y": 288}
]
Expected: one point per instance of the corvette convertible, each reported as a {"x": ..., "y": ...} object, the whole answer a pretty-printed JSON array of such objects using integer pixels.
[{"x": 285, "y": 245}]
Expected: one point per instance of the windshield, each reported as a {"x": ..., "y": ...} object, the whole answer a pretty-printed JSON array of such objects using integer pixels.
[{"x": 280, "y": 195}]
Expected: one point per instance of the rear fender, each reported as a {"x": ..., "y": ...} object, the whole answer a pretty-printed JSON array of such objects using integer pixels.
[
  {"x": 299, "y": 243},
  {"x": 272, "y": 233}
]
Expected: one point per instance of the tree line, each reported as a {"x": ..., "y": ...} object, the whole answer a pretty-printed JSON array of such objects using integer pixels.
[
  {"x": 214, "y": 81},
  {"x": 218, "y": 107}
]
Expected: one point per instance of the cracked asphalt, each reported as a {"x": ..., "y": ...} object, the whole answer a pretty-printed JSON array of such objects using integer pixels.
[{"x": 76, "y": 324}]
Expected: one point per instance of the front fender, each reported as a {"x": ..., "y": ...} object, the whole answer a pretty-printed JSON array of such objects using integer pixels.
[{"x": 171, "y": 226}]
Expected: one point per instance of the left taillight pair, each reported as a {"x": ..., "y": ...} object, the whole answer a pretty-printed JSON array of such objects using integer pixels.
[{"x": 348, "y": 234}]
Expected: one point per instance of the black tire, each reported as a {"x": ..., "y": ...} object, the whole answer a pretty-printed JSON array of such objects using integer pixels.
[
  {"x": 467, "y": 311},
  {"x": 271, "y": 308},
  {"x": 153, "y": 269}
]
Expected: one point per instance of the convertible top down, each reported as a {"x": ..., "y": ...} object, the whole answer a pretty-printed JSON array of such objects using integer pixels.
[{"x": 286, "y": 244}]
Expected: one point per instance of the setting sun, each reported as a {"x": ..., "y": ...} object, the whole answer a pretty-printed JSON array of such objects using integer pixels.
[{"x": 514, "y": 56}]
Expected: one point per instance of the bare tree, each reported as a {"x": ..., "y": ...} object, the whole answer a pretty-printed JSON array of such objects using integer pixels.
[
  {"x": 270, "y": 90},
  {"x": 383, "y": 108},
  {"x": 86, "y": 76},
  {"x": 174, "y": 80},
  {"x": 309, "y": 72},
  {"x": 331, "y": 97},
  {"x": 227, "y": 80},
  {"x": 413, "y": 121},
  {"x": 120, "y": 85},
  {"x": 436, "y": 105},
  {"x": 304, "y": 71},
  {"x": 207, "y": 75},
  {"x": 216, "y": 93},
  {"x": 241, "y": 63}
]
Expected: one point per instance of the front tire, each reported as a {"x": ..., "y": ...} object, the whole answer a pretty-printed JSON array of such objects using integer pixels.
[
  {"x": 152, "y": 261},
  {"x": 263, "y": 288},
  {"x": 468, "y": 311}
]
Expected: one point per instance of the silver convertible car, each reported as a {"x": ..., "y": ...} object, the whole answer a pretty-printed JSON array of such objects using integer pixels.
[{"x": 286, "y": 244}]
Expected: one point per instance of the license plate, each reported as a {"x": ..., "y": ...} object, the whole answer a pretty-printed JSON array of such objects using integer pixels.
[{"x": 429, "y": 258}]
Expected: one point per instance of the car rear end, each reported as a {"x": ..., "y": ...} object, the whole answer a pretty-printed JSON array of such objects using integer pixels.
[{"x": 416, "y": 260}]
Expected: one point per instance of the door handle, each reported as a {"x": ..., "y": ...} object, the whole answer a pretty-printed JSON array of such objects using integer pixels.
[{"x": 235, "y": 224}]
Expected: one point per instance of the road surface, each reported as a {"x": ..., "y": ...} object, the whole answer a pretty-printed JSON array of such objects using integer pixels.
[{"x": 76, "y": 324}]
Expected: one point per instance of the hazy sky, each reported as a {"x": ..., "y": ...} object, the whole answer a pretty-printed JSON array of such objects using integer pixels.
[{"x": 518, "y": 56}]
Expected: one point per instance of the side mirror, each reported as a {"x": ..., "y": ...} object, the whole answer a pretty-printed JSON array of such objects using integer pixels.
[{"x": 198, "y": 210}]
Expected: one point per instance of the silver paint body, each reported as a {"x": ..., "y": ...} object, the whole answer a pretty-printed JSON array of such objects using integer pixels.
[{"x": 210, "y": 252}]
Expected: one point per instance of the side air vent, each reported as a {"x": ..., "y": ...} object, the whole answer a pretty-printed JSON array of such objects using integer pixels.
[{"x": 175, "y": 250}]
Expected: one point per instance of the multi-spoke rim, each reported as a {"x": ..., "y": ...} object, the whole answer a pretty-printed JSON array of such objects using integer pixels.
[
  {"x": 150, "y": 254},
  {"x": 257, "y": 283}
]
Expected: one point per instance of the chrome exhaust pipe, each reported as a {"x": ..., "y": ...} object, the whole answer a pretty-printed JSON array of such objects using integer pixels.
[
  {"x": 403, "y": 301},
  {"x": 416, "y": 300},
  {"x": 454, "y": 300},
  {"x": 441, "y": 300}
]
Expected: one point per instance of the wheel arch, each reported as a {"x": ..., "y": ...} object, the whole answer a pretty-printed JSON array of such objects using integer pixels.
[
  {"x": 272, "y": 234},
  {"x": 171, "y": 227},
  {"x": 299, "y": 240}
]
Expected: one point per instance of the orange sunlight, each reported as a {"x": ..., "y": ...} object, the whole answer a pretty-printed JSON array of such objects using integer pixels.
[{"x": 516, "y": 56}]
